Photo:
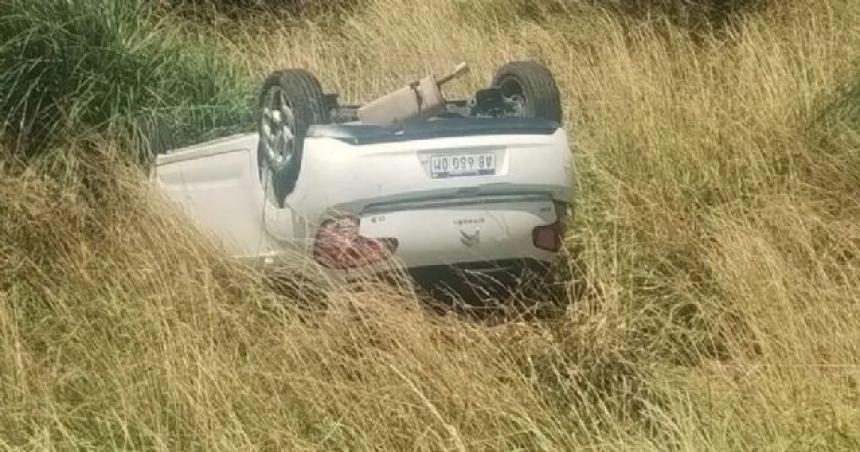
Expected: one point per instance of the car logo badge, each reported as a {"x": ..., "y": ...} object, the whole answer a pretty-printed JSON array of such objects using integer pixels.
[{"x": 470, "y": 239}]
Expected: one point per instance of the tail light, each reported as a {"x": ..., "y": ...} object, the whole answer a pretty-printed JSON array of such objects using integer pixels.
[
  {"x": 338, "y": 245},
  {"x": 550, "y": 237}
]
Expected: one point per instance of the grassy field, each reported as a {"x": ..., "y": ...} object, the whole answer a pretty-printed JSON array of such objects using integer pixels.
[{"x": 716, "y": 242}]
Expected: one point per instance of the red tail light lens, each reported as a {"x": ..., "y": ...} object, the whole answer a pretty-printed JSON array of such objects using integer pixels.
[
  {"x": 547, "y": 237},
  {"x": 550, "y": 237},
  {"x": 338, "y": 245}
]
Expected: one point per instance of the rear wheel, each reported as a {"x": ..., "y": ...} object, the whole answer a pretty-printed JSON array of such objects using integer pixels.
[
  {"x": 531, "y": 88},
  {"x": 291, "y": 101}
]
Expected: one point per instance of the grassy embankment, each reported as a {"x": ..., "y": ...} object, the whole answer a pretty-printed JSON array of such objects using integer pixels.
[{"x": 716, "y": 233}]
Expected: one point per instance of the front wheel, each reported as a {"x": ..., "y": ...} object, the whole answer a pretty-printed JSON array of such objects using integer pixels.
[
  {"x": 291, "y": 101},
  {"x": 531, "y": 88}
]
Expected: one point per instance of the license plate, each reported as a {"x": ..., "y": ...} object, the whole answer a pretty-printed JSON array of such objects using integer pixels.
[{"x": 454, "y": 165}]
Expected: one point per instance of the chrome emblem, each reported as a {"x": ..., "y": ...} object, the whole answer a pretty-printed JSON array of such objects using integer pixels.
[{"x": 470, "y": 239}]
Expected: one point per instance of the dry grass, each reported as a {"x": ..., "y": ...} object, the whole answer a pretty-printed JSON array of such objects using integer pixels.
[{"x": 716, "y": 234}]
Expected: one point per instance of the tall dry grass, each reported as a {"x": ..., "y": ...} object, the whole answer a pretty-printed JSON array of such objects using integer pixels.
[{"x": 716, "y": 237}]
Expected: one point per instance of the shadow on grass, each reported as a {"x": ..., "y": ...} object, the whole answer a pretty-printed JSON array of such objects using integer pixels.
[{"x": 530, "y": 292}]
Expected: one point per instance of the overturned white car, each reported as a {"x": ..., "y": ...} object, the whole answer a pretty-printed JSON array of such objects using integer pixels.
[{"x": 442, "y": 188}]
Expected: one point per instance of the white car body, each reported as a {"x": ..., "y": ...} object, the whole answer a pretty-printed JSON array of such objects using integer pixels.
[{"x": 383, "y": 176}]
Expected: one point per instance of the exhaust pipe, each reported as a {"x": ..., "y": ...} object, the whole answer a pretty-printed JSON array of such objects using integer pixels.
[{"x": 421, "y": 99}]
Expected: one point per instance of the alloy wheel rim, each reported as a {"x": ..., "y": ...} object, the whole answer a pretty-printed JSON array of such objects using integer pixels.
[{"x": 277, "y": 124}]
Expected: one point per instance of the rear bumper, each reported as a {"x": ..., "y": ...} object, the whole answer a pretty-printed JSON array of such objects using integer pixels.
[{"x": 363, "y": 134}]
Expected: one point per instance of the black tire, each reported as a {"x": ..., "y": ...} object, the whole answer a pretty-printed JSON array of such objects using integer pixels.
[
  {"x": 533, "y": 87},
  {"x": 291, "y": 101}
]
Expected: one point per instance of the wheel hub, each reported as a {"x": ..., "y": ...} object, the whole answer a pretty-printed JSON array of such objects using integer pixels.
[{"x": 513, "y": 95}]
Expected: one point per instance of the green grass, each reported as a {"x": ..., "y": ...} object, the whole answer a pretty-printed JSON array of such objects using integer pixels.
[{"x": 99, "y": 66}]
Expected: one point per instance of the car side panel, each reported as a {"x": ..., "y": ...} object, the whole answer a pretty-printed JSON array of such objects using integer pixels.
[{"x": 218, "y": 188}]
